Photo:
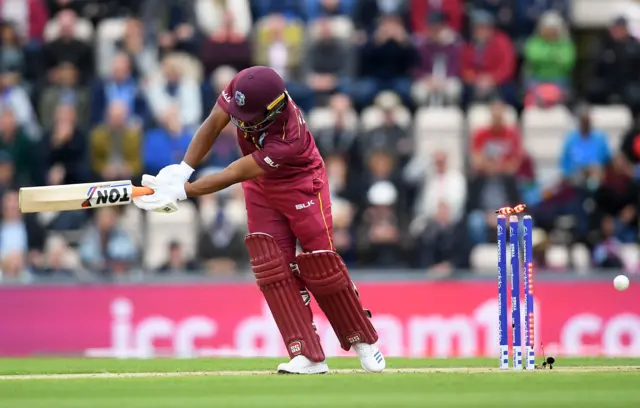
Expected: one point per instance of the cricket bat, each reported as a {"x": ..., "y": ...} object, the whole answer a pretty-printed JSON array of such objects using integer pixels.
[{"x": 71, "y": 197}]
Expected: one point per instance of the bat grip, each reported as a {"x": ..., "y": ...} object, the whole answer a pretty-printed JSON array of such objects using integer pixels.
[{"x": 141, "y": 191}]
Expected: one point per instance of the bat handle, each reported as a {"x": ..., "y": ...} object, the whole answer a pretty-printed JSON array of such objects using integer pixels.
[{"x": 141, "y": 191}]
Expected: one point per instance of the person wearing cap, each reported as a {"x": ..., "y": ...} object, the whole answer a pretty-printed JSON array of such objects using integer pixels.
[
  {"x": 616, "y": 63},
  {"x": 550, "y": 54},
  {"x": 288, "y": 200},
  {"x": 488, "y": 61},
  {"x": 437, "y": 76}
]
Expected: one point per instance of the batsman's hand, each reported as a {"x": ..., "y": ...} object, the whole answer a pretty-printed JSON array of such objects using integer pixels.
[{"x": 168, "y": 187}]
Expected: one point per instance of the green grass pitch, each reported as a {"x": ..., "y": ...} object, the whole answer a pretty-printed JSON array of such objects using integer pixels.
[{"x": 244, "y": 383}]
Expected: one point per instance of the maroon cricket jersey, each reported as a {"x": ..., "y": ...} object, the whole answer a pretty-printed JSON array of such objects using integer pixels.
[{"x": 285, "y": 150}]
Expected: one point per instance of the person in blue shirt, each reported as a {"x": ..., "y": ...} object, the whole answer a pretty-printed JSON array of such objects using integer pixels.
[
  {"x": 586, "y": 150},
  {"x": 166, "y": 144}
]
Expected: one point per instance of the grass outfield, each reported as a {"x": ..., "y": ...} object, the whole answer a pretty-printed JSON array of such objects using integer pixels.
[{"x": 230, "y": 383}]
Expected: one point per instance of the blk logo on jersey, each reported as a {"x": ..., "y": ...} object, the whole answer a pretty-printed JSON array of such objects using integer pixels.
[
  {"x": 271, "y": 162},
  {"x": 305, "y": 205}
]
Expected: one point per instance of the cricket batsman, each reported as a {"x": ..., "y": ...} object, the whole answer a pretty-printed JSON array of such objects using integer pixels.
[{"x": 287, "y": 199}]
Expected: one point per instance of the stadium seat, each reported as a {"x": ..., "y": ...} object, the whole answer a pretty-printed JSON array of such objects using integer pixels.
[
  {"x": 440, "y": 128},
  {"x": 373, "y": 117},
  {"x": 341, "y": 26},
  {"x": 83, "y": 31},
  {"x": 543, "y": 133},
  {"x": 630, "y": 254},
  {"x": 479, "y": 116},
  {"x": 615, "y": 120},
  {"x": 581, "y": 258},
  {"x": 596, "y": 13},
  {"x": 557, "y": 257},
  {"x": 320, "y": 118},
  {"x": 108, "y": 32},
  {"x": 484, "y": 259},
  {"x": 180, "y": 226}
]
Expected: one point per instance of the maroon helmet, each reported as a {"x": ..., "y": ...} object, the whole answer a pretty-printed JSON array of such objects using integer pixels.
[{"x": 258, "y": 98}]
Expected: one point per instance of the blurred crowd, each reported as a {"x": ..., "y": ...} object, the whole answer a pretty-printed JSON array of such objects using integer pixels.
[{"x": 111, "y": 89}]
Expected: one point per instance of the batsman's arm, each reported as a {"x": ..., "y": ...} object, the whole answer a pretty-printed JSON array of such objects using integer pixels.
[
  {"x": 240, "y": 170},
  {"x": 206, "y": 135}
]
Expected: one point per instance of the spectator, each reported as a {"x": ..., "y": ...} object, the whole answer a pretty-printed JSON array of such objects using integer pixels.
[
  {"x": 119, "y": 87},
  {"x": 225, "y": 152},
  {"x": 177, "y": 261},
  {"x": 618, "y": 196},
  {"x": 290, "y": 9},
  {"x": 379, "y": 237},
  {"x": 7, "y": 173},
  {"x": 226, "y": 45},
  {"x": 439, "y": 249},
  {"x": 616, "y": 65},
  {"x": 526, "y": 13},
  {"x": 12, "y": 53},
  {"x": 221, "y": 240},
  {"x": 141, "y": 52},
  {"x": 381, "y": 165},
  {"x": 631, "y": 148},
  {"x": 14, "y": 242},
  {"x": 607, "y": 253},
  {"x": 106, "y": 247},
  {"x": 56, "y": 262},
  {"x": 211, "y": 89},
  {"x": 29, "y": 17},
  {"x": 390, "y": 136},
  {"x": 488, "y": 62},
  {"x": 14, "y": 97},
  {"x": 497, "y": 141},
  {"x": 437, "y": 76},
  {"x": 550, "y": 54},
  {"x": 442, "y": 186},
  {"x": 173, "y": 88},
  {"x": 422, "y": 12},
  {"x": 585, "y": 152},
  {"x": 171, "y": 26},
  {"x": 329, "y": 8},
  {"x": 21, "y": 148},
  {"x": 386, "y": 62},
  {"x": 487, "y": 192},
  {"x": 367, "y": 13},
  {"x": 343, "y": 235},
  {"x": 339, "y": 174},
  {"x": 166, "y": 144},
  {"x": 65, "y": 90},
  {"x": 212, "y": 16},
  {"x": 64, "y": 149},
  {"x": 68, "y": 48},
  {"x": 502, "y": 11},
  {"x": 328, "y": 66},
  {"x": 341, "y": 137},
  {"x": 278, "y": 45},
  {"x": 115, "y": 150}
]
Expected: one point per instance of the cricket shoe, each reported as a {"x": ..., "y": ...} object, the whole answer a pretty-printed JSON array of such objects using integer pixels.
[
  {"x": 302, "y": 365},
  {"x": 371, "y": 358}
]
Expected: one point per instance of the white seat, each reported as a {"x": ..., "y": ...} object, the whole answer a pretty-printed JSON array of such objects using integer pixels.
[
  {"x": 557, "y": 256},
  {"x": 544, "y": 130},
  {"x": 440, "y": 128},
  {"x": 181, "y": 226},
  {"x": 484, "y": 259},
  {"x": 320, "y": 118},
  {"x": 479, "y": 116},
  {"x": 630, "y": 254},
  {"x": 581, "y": 258},
  {"x": 615, "y": 120},
  {"x": 108, "y": 32},
  {"x": 373, "y": 117},
  {"x": 83, "y": 30}
]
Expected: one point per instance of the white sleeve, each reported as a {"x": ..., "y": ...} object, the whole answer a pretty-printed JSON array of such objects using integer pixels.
[{"x": 208, "y": 16}]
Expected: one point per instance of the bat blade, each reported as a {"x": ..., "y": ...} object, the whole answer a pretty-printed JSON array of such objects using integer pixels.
[{"x": 71, "y": 197}]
